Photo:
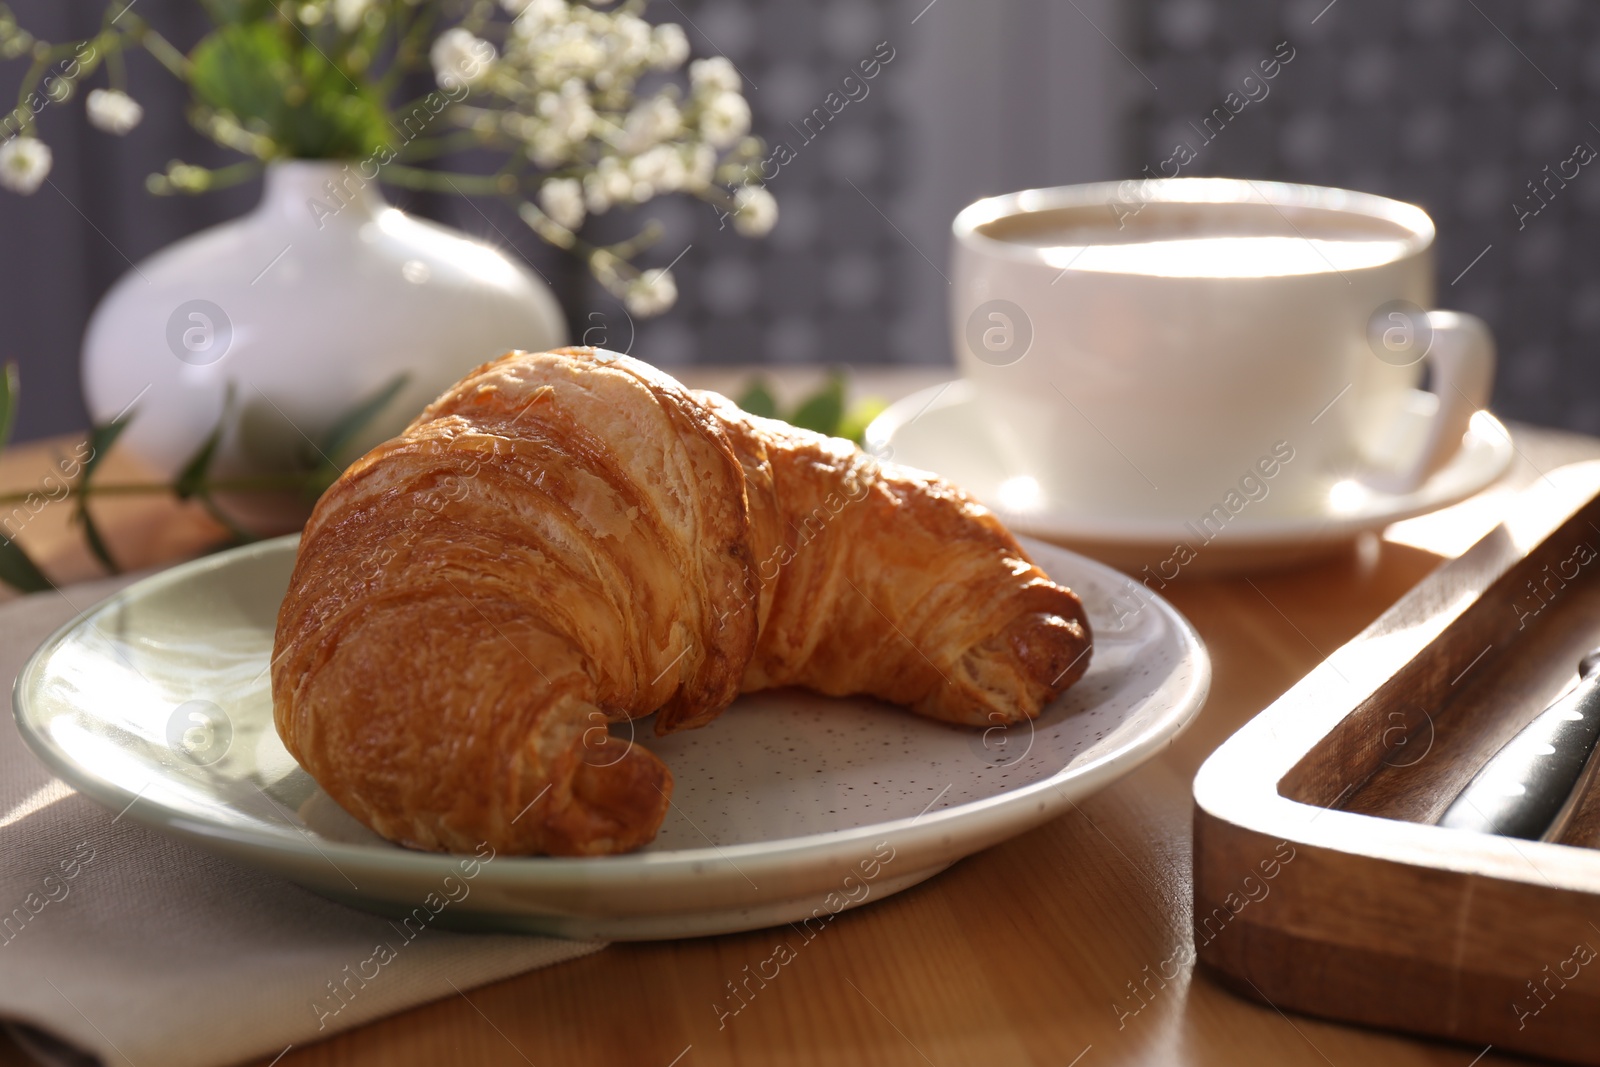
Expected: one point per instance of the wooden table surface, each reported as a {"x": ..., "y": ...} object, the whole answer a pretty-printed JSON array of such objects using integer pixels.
[{"x": 1024, "y": 954}]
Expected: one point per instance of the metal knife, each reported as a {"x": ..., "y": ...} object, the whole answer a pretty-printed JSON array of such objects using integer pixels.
[{"x": 1532, "y": 786}]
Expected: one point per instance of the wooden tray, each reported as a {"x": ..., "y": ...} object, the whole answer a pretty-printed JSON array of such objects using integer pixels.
[{"x": 1322, "y": 886}]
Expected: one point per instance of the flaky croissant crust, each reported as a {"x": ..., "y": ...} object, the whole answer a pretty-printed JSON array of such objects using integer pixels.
[{"x": 567, "y": 539}]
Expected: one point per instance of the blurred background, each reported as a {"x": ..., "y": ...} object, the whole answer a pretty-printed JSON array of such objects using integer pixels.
[{"x": 1457, "y": 105}]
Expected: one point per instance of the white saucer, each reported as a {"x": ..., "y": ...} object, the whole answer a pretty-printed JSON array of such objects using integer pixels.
[
  {"x": 939, "y": 429},
  {"x": 790, "y": 807}
]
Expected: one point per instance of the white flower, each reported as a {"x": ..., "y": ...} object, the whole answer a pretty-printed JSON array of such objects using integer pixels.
[
  {"x": 608, "y": 183},
  {"x": 661, "y": 168},
  {"x": 595, "y": 195},
  {"x": 618, "y": 182},
  {"x": 716, "y": 74},
  {"x": 572, "y": 113},
  {"x": 535, "y": 16},
  {"x": 113, "y": 111},
  {"x": 757, "y": 212},
  {"x": 702, "y": 166},
  {"x": 459, "y": 58},
  {"x": 629, "y": 41},
  {"x": 349, "y": 13},
  {"x": 24, "y": 163},
  {"x": 563, "y": 119},
  {"x": 651, "y": 293},
  {"x": 669, "y": 47},
  {"x": 562, "y": 200},
  {"x": 650, "y": 123},
  {"x": 725, "y": 119}
]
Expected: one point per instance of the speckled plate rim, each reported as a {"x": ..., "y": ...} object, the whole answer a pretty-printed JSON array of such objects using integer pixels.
[{"x": 933, "y": 838}]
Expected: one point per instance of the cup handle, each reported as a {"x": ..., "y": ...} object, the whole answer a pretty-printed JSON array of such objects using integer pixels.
[{"x": 1462, "y": 357}]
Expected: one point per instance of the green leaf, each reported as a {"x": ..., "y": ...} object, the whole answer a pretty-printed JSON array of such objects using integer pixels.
[
  {"x": 192, "y": 479},
  {"x": 347, "y": 426},
  {"x": 100, "y": 441},
  {"x": 8, "y": 403},
  {"x": 822, "y": 410},
  {"x": 328, "y": 464},
  {"x": 853, "y": 425},
  {"x": 18, "y": 570},
  {"x": 276, "y": 83},
  {"x": 757, "y": 399}
]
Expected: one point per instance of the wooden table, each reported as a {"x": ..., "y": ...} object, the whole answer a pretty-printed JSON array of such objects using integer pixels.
[{"x": 1023, "y": 954}]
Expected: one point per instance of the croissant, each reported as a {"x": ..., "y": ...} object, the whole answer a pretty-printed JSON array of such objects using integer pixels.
[{"x": 568, "y": 539}]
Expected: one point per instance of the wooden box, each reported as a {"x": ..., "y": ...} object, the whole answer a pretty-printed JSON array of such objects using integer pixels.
[{"x": 1322, "y": 885}]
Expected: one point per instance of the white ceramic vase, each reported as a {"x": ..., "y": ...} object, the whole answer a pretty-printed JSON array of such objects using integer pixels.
[{"x": 302, "y": 308}]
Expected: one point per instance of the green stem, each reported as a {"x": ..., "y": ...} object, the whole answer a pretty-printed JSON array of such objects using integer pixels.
[
  {"x": 438, "y": 181},
  {"x": 45, "y": 56},
  {"x": 433, "y": 148},
  {"x": 116, "y": 69},
  {"x": 234, "y": 173},
  {"x": 408, "y": 53},
  {"x": 259, "y": 483},
  {"x": 163, "y": 50}
]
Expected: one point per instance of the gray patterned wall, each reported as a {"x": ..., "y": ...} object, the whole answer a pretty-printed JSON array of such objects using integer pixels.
[{"x": 1456, "y": 105}]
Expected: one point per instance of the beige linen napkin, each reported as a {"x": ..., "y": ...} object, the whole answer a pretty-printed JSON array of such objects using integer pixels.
[{"x": 138, "y": 949}]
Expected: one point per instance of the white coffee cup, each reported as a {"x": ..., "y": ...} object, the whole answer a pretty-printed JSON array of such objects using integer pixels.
[{"x": 1136, "y": 347}]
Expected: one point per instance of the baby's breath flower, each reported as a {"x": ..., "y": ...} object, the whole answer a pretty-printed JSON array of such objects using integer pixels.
[
  {"x": 562, "y": 200},
  {"x": 726, "y": 118},
  {"x": 668, "y": 47},
  {"x": 651, "y": 293},
  {"x": 702, "y": 166},
  {"x": 756, "y": 212},
  {"x": 661, "y": 168},
  {"x": 619, "y": 183},
  {"x": 534, "y": 17},
  {"x": 650, "y": 123},
  {"x": 24, "y": 164},
  {"x": 460, "y": 58},
  {"x": 113, "y": 110},
  {"x": 716, "y": 74},
  {"x": 630, "y": 40},
  {"x": 349, "y": 13}
]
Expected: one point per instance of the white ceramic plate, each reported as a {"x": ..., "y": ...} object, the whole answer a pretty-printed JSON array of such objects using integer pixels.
[
  {"x": 788, "y": 807},
  {"x": 939, "y": 429}
]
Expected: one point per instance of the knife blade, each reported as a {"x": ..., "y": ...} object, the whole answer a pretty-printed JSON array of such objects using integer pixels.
[{"x": 1531, "y": 787}]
